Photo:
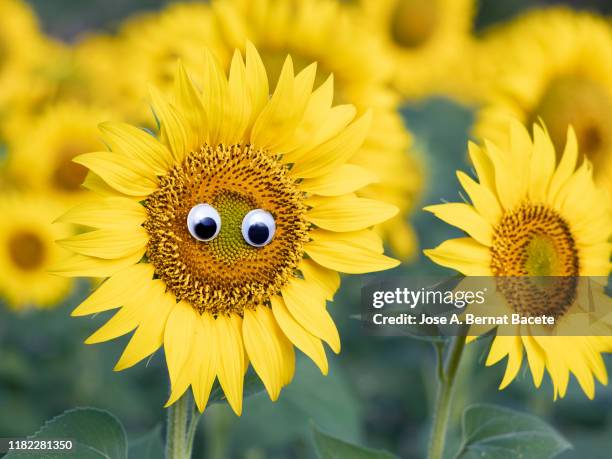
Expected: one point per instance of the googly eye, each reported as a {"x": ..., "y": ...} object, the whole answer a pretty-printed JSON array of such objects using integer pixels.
[
  {"x": 258, "y": 227},
  {"x": 203, "y": 222}
]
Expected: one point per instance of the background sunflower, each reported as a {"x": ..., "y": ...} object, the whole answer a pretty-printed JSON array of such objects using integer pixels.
[{"x": 42, "y": 349}]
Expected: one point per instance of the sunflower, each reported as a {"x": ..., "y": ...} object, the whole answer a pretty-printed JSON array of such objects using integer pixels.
[
  {"x": 84, "y": 73},
  {"x": 42, "y": 160},
  {"x": 557, "y": 67},
  {"x": 223, "y": 239},
  {"x": 21, "y": 42},
  {"x": 28, "y": 249},
  {"x": 310, "y": 31},
  {"x": 151, "y": 43},
  {"x": 531, "y": 215},
  {"x": 426, "y": 40}
]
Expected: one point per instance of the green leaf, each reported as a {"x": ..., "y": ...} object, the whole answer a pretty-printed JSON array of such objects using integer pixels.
[
  {"x": 329, "y": 447},
  {"x": 149, "y": 446},
  {"x": 492, "y": 432},
  {"x": 96, "y": 434}
]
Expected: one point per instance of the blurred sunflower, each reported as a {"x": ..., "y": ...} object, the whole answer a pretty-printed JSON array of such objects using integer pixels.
[
  {"x": 151, "y": 43},
  {"x": 324, "y": 32},
  {"x": 222, "y": 240},
  {"x": 557, "y": 66},
  {"x": 426, "y": 39},
  {"x": 42, "y": 160},
  {"x": 21, "y": 42},
  {"x": 310, "y": 31},
  {"x": 28, "y": 249},
  {"x": 533, "y": 216}
]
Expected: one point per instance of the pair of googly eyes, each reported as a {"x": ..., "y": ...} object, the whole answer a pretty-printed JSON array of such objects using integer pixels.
[{"x": 204, "y": 224}]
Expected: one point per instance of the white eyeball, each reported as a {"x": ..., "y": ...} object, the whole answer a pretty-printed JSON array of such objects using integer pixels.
[
  {"x": 203, "y": 222},
  {"x": 258, "y": 227}
]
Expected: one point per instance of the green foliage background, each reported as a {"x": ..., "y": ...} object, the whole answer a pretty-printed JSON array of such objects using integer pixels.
[{"x": 379, "y": 392}]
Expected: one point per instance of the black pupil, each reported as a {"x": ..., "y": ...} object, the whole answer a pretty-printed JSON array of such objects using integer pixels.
[
  {"x": 205, "y": 228},
  {"x": 258, "y": 233}
]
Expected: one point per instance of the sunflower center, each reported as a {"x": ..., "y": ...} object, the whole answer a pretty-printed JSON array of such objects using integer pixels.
[
  {"x": 535, "y": 260},
  {"x": 225, "y": 274},
  {"x": 26, "y": 250},
  {"x": 414, "y": 22},
  {"x": 584, "y": 104},
  {"x": 68, "y": 175}
]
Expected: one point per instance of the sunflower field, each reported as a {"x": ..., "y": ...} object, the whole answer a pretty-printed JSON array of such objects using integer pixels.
[{"x": 222, "y": 223}]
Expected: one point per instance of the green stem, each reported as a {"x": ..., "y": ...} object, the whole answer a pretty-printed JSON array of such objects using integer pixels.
[
  {"x": 445, "y": 395},
  {"x": 182, "y": 424}
]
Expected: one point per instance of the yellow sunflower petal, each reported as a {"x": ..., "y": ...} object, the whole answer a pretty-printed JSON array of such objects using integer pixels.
[
  {"x": 214, "y": 98},
  {"x": 238, "y": 102},
  {"x": 261, "y": 342},
  {"x": 257, "y": 81},
  {"x": 230, "y": 362},
  {"x": 118, "y": 288},
  {"x": 116, "y": 171},
  {"x": 482, "y": 164},
  {"x": 273, "y": 125},
  {"x": 126, "y": 319},
  {"x": 464, "y": 255},
  {"x": 566, "y": 166},
  {"x": 106, "y": 213},
  {"x": 189, "y": 102},
  {"x": 501, "y": 347},
  {"x": 96, "y": 185},
  {"x": 205, "y": 342},
  {"x": 149, "y": 336},
  {"x": 465, "y": 217},
  {"x": 310, "y": 312},
  {"x": 482, "y": 198},
  {"x": 368, "y": 239},
  {"x": 175, "y": 129},
  {"x": 327, "y": 280},
  {"x": 302, "y": 339},
  {"x": 319, "y": 127},
  {"x": 542, "y": 164},
  {"x": 348, "y": 257},
  {"x": 137, "y": 144},
  {"x": 330, "y": 155},
  {"x": 536, "y": 359},
  {"x": 108, "y": 243},
  {"x": 509, "y": 185},
  {"x": 346, "y": 179},
  {"x": 84, "y": 266},
  {"x": 178, "y": 340},
  {"x": 349, "y": 213}
]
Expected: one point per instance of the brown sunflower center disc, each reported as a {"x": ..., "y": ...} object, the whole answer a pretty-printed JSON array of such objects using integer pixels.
[
  {"x": 585, "y": 105},
  {"x": 414, "y": 22},
  {"x": 27, "y": 250},
  {"x": 225, "y": 274},
  {"x": 68, "y": 175},
  {"x": 535, "y": 260}
]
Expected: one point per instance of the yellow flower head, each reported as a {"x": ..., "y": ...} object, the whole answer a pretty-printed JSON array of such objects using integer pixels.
[
  {"x": 533, "y": 215},
  {"x": 222, "y": 240},
  {"x": 426, "y": 39},
  {"x": 28, "y": 250},
  {"x": 319, "y": 31},
  {"x": 81, "y": 74},
  {"x": 42, "y": 160},
  {"x": 21, "y": 43},
  {"x": 557, "y": 66}
]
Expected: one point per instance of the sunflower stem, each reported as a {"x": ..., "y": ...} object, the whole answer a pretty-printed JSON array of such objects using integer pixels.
[
  {"x": 181, "y": 428},
  {"x": 446, "y": 375}
]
